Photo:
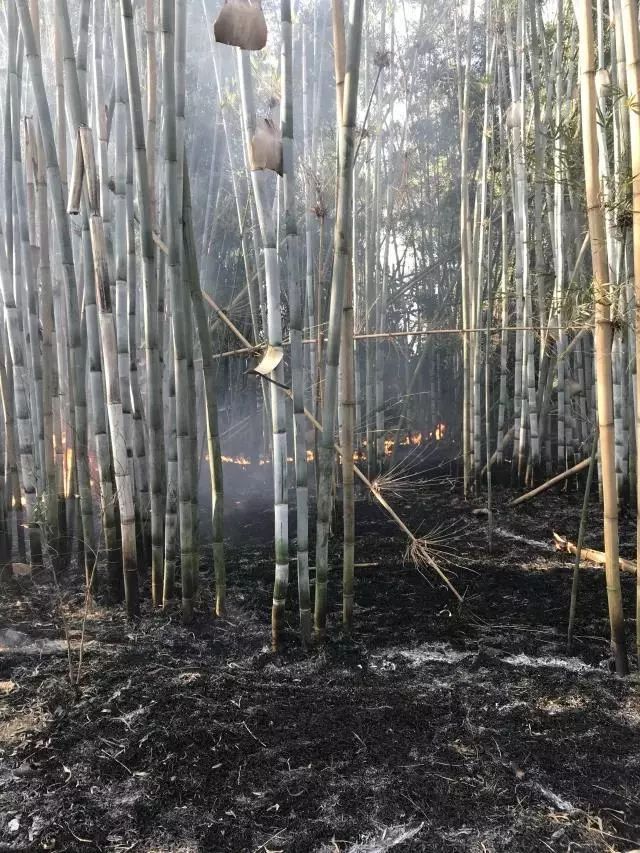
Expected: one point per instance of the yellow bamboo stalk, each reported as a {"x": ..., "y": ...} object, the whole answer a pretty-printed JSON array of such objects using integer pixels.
[
  {"x": 632, "y": 51},
  {"x": 603, "y": 330}
]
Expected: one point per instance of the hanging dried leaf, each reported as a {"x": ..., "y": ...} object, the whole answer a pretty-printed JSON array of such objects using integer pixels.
[
  {"x": 241, "y": 23},
  {"x": 266, "y": 147}
]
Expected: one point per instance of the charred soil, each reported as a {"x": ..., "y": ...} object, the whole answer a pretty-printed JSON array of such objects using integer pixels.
[{"x": 433, "y": 728}]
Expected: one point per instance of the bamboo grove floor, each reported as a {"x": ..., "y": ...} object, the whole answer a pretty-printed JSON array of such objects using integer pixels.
[{"x": 431, "y": 730}]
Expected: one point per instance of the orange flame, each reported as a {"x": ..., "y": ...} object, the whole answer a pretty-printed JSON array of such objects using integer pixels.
[{"x": 236, "y": 460}]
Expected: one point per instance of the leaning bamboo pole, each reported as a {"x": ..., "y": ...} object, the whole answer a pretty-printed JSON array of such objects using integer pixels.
[
  {"x": 559, "y": 478},
  {"x": 603, "y": 335}
]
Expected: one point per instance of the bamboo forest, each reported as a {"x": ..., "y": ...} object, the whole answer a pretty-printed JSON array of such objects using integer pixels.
[{"x": 319, "y": 426}]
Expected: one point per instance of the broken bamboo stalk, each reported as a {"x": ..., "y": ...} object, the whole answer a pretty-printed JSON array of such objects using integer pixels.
[
  {"x": 552, "y": 482},
  {"x": 590, "y": 554}
]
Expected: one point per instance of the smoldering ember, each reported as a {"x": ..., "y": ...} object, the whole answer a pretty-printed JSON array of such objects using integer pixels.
[{"x": 319, "y": 426}]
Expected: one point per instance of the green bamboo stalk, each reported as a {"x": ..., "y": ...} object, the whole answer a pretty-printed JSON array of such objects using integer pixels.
[
  {"x": 211, "y": 408},
  {"x": 341, "y": 264},
  {"x": 145, "y": 199},
  {"x": 29, "y": 357},
  {"x": 109, "y": 349},
  {"x": 603, "y": 331},
  {"x": 583, "y": 524},
  {"x": 188, "y": 554},
  {"x": 274, "y": 334}
]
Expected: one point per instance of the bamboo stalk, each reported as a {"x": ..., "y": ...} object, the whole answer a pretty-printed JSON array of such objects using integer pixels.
[
  {"x": 465, "y": 261},
  {"x": 603, "y": 333},
  {"x": 274, "y": 336},
  {"x": 145, "y": 198},
  {"x": 581, "y": 532},
  {"x": 108, "y": 341},
  {"x": 76, "y": 391},
  {"x": 347, "y": 388},
  {"x": 209, "y": 375},
  {"x": 632, "y": 49},
  {"x": 590, "y": 554},
  {"x": 341, "y": 264},
  {"x": 188, "y": 554},
  {"x": 559, "y": 478},
  {"x": 296, "y": 315}
]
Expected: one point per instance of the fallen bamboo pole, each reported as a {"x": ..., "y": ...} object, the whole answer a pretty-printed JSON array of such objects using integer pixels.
[
  {"x": 552, "y": 482},
  {"x": 590, "y": 554}
]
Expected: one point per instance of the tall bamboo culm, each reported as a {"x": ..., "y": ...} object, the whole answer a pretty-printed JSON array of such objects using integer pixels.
[
  {"x": 145, "y": 194},
  {"x": 274, "y": 336},
  {"x": 341, "y": 265},
  {"x": 632, "y": 50},
  {"x": 296, "y": 315},
  {"x": 188, "y": 554},
  {"x": 603, "y": 331}
]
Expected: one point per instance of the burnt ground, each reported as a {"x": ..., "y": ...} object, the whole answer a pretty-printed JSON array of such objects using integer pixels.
[{"x": 433, "y": 729}]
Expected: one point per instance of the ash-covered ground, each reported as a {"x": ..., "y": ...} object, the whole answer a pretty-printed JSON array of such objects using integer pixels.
[{"x": 433, "y": 728}]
